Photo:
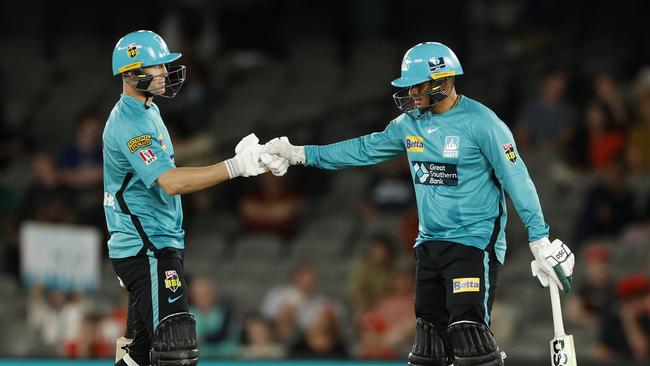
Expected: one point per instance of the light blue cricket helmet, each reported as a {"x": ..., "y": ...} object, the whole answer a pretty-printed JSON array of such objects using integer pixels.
[
  {"x": 144, "y": 48},
  {"x": 141, "y": 49},
  {"x": 427, "y": 61}
]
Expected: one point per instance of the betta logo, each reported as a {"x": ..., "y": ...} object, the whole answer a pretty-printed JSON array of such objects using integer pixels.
[
  {"x": 414, "y": 144},
  {"x": 468, "y": 284},
  {"x": 132, "y": 50}
]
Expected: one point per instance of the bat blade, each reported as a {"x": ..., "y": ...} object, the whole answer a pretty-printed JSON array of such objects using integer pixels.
[{"x": 563, "y": 352}]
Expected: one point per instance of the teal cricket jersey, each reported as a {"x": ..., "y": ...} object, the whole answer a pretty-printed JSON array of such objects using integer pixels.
[
  {"x": 140, "y": 215},
  {"x": 461, "y": 161}
]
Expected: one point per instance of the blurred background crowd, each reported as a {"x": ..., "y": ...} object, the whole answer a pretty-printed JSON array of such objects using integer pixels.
[{"x": 319, "y": 264}]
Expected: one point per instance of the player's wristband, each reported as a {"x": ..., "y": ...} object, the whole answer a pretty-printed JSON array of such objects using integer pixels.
[
  {"x": 298, "y": 155},
  {"x": 233, "y": 167}
]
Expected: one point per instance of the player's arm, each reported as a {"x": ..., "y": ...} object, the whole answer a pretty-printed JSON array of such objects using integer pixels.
[
  {"x": 552, "y": 259},
  {"x": 245, "y": 163},
  {"x": 153, "y": 164},
  {"x": 365, "y": 150},
  {"x": 188, "y": 180}
]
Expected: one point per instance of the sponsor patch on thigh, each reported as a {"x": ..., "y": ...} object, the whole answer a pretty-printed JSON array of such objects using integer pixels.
[{"x": 466, "y": 284}]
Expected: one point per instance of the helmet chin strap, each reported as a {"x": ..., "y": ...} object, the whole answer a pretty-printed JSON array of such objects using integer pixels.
[
  {"x": 142, "y": 85},
  {"x": 439, "y": 94}
]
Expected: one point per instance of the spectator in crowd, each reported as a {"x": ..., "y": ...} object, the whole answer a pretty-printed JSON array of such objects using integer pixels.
[
  {"x": 322, "y": 339},
  {"x": 80, "y": 167},
  {"x": 625, "y": 334},
  {"x": 607, "y": 92},
  {"x": 409, "y": 229},
  {"x": 604, "y": 141},
  {"x": 371, "y": 275},
  {"x": 215, "y": 325},
  {"x": 11, "y": 144},
  {"x": 607, "y": 206},
  {"x": 113, "y": 325},
  {"x": 259, "y": 340},
  {"x": 594, "y": 296},
  {"x": 549, "y": 119},
  {"x": 271, "y": 207},
  {"x": 389, "y": 190},
  {"x": 638, "y": 147},
  {"x": 387, "y": 329},
  {"x": 55, "y": 315},
  {"x": 80, "y": 161},
  {"x": 9, "y": 237},
  {"x": 199, "y": 210},
  {"x": 294, "y": 307},
  {"x": 89, "y": 343},
  {"x": 47, "y": 199}
]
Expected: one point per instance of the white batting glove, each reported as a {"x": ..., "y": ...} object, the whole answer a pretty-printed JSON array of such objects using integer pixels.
[
  {"x": 247, "y": 161},
  {"x": 282, "y": 147},
  {"x": 276, "y": 164},
  {"x": 554, "y": 261}
]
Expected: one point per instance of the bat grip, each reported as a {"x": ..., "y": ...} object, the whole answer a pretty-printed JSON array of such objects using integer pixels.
[{"x": 558, "y": 324}]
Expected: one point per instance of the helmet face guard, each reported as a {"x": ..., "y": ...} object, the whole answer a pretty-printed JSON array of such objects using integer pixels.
[
  {"x": 406, "y": 102},
  {"x": 174, "y": 79}
]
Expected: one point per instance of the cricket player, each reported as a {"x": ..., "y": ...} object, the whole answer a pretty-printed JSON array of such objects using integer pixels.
[
  {"x": 142, "y": 204},
  {"x": 463, "y": 159}
]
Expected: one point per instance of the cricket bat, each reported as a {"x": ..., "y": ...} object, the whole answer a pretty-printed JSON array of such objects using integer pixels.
[{"x": 563, "y": 352}]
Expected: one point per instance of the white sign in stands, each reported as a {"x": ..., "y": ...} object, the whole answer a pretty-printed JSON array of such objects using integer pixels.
[{"x": 60, "y": 257}]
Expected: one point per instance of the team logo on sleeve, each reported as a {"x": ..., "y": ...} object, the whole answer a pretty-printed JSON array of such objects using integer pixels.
[
  {"x": 147, "y": 156},
  {"x": 414, "y": 144},
  {"x": 450, "y": 150},
  {"x": 139, "y": 142},
  {"x": 132, "y": 50},
  {"x": 161, "y": 141},
  {"x": 172, "y": 281},
  {"x": 466, "y": 284},
  {"x": 509, "y": 151}
]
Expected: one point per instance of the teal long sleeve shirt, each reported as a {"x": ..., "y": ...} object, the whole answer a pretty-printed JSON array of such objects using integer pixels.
[{"x": 461, "y": 162}]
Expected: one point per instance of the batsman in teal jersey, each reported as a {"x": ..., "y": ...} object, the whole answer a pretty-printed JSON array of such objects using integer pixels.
[
  {"x": 142, "y": 204},
  {"x": 463, "y": 159}
]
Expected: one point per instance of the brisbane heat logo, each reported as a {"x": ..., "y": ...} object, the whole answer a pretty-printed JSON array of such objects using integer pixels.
[{"x": 132, "y": 50}]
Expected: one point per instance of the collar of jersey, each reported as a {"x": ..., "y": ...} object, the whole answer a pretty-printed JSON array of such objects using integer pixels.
[{"x": 132, "y": 102}]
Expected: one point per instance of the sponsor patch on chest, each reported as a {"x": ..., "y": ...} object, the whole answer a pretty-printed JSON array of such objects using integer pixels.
[
  {"x": 435, "y": 174},
  {"x": 414, "y": 144}
]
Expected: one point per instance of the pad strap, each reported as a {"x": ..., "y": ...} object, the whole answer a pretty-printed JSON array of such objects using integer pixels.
[
  {"x": 174, "y": 341},
  {"x": 429, "y": 347},
  {"x": 473, "y": 345}
]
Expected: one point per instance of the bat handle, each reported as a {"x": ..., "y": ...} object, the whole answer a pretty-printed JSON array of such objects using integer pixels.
[{"x": 558, "y": 324}]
